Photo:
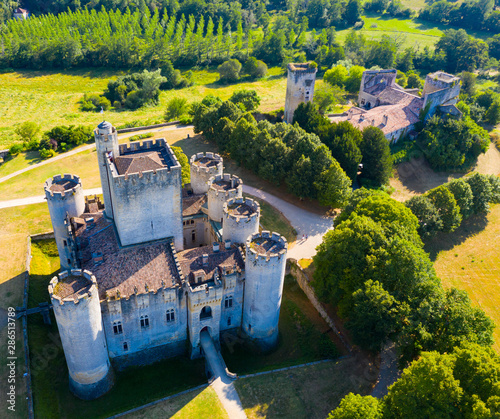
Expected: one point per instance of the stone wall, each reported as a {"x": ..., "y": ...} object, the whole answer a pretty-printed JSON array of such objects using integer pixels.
[{"x": 299, "y": 89}]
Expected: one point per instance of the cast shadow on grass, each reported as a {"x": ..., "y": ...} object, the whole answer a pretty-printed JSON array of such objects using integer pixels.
[
  {"x": 447, "y": 241},
  {"x": 90, "y": 73}
]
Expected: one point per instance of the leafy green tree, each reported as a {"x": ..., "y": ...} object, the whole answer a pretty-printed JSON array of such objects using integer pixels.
[
  {"x": 429, "y": 220},
  {"x": 176, "y": 107},
  {"x": 327, "y": 96},
  {"x": 333, "y": 186},
  {"x": 229, "y": 71},
  {"x": 353, "y": 11},
  {"x": 492, "y": 115},
  {"x": 374, "y": 316},
  {"x": 308, "y": 118},
  {"x": 336, "y": 76},
  {"x": 481, "y": 191},
  {"x": 377, "y": 160},
  {"x": 353, "y": 82},
  {"x": 414, "y": 81},
  {"x": 468, "y": 80},
  {"x": 438, "y": 395},
  {"x": 248, "y": 99},
  {"x": 447, "y": 207},
  {"x": 255, "y": 68},
  {"x": 495, "y": 188},
  {"x": 355, "y": 406},
  {"x": 28, "y": 131},
  {"x": 462, "y": 193},
  {"x": 184, "y": 162}
]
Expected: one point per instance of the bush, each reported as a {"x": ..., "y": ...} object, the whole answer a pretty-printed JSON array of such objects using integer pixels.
[
  {"x": 15, "y": 149},
  {"x": 117, "y": 104},
  {"x": 229, "y": 71},
  {"x": 255, "y": 68},
  {"x": 47, "y": 153},
  {"x": 248, "y": 99},
  {"x": 175, "y": 108},
  {"x": 186, "y": 120}
]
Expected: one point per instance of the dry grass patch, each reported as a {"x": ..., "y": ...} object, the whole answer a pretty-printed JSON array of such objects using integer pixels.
[
  {"x": 469, "y": 259},
  {"x": 306, "y": 392}
]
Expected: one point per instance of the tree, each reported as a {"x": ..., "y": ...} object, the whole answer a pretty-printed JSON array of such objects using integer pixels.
[
  {"x": 413, "y": 82},
  {"x": 374, "y": 316},
  {"x": 353, "y": 82},
  {"x": 336, "y": 76},
  {"x": 248, "y": 99},
  {"x": 429, "y": 220},
  {"x": 481, "y": 191},
  {"x": 355, "y": 406},
  {"x": 353, "y": 11},
  {"x": 333, "y": 186},
  {"x": 462, "y": 193},
  {"x": 327, "y": 96},
  {"x": 492, "y": 115},
  {"x": 255, "y": 68},
  {"x": 468, "y": 83},
  {"x": 377, "y": 160},
  {"x": 495, "y": 188},
  {"x": 447, "y": 207},
  {"x": 438, "y": 395},
  {"x": 176, "y": 107},
  {"x": 229, "y": 71},
  {"x": 28, "y": 131},
  {"x": 184, "y": 162}
]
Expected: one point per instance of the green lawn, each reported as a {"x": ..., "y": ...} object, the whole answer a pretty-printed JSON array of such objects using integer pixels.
[
  {"x": 304, "y": 337},
  {"x": 197, "y": 404},
  {"x": 306, "y": 392},
  {"x": 468, "y": 259}
]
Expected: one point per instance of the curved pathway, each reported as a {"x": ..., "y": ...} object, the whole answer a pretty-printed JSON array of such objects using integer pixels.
[{"x": 304, "y": 222}]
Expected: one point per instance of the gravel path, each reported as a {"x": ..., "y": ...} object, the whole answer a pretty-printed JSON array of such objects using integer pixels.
[{"x": 389, "y": 371}]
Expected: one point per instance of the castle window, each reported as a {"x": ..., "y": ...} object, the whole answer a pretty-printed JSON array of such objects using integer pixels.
[
  {"x": 170, "y": 315},
  {"x": 229, "y": 321},
  {"x": 144, "y": 322},
  {"x": 228, "y": 301},
  {"x": 193, "y": 235},
  {"x": 206, "y": 313},
  {"x": 117, "y": 328},
  {"x": 65, "y": 243},
  {"x": 125, "y": 346},
  {"x": 69, "y": 261}
]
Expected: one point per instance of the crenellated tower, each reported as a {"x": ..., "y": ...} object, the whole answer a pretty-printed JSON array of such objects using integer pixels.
[
  {"x": 265, "y": 274},
  {"x": 106, "y": 143},
  {"x": 65, "y": 199},
  {"x": 220, "y": 189},
  {"x": 299, "y": 87},
  {"x": 77, "y": 309},
  {"x": 241, "y": 219},
  {"x": 202, "y": 167}
]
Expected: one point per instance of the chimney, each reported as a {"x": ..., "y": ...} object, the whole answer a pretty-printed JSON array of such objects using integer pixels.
[
  {"x": 227, "y": 244},
  {"x": 385, "y": 120},
  {"x": 216, "y": 247},
  {"x": 204, "y": 259}
]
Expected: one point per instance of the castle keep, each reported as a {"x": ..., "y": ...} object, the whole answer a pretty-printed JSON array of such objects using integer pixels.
[
  {"x": 299, "y": 87},
  {"x": 155, "y": 264}
]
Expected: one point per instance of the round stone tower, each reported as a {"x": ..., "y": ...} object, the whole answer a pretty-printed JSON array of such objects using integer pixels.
[
  {"x": 241, "y": 219},
  {"x": 65, "y": 198},
  {"x": 220, "y": 189},
  {"x": 264, "y": 277},
  {"x": 106, "y": 143},
  {"x": 75, "y": 299},
  {"x": 203, "y": 167}
]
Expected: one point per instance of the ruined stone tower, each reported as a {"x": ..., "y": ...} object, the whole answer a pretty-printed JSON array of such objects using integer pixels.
[
  {"x": 75, "y": 299},
  {"x": 265, "y": 274},
  {"x": 299, "y": 87},
  {"x": 202, "y": 167},
  {"x": 241, "y": 219},
  {"x": 65, "y": 200}
]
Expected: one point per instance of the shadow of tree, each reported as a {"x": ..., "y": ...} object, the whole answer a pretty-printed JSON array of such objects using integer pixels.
[{"x": 447, "y": 241}]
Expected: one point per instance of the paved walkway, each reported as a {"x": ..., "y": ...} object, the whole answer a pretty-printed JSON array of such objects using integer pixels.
[
  {"x": 305, "y": 222},
  {"x": 389, "y": 371},
  {"x": 39, "y": 199},
  {"x": 222, "y": 384}
]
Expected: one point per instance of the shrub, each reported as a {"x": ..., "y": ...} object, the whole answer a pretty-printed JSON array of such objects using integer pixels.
[
  {"x": 15, "y": 149},
  {"x": 47, "y": 153},
  {"x": 186, "y": 120},
  {"x": 248, "y": 99},
  {"x": 117, "y": 104},
  {"x": 176, "y": 107},
  {"x": 229, "y": 71},
  {"x": 255, "y": 68}
]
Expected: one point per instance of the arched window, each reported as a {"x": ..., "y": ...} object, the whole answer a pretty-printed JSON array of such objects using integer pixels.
[
  {"x": 206, "y": 313},
  {"x": 117, "y": 328},
  {"x": 170, "y": 315},
  {"x": 144, "y": 322},
  {"x": 228, "y": 301}
]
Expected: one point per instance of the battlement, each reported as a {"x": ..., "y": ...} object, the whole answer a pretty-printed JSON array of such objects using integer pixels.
[
  {"x": 241, "y": 209},
  {"x": 145, "y": 146},
  {"x": 60, "y": 185},
  {"x": 105, "y": 131},
  {"x": 207, "y": 163},
  {"x": 73, "y": 286},
  {"x": 224, "y": 185},
  {"x": 266, "y": 246},
  {"x": 301, "y": 68}
]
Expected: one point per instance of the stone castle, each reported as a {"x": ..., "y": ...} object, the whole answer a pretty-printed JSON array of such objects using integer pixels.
[
  {"x": 299, "y": 87},
  {"x": 147, "y": 271}
]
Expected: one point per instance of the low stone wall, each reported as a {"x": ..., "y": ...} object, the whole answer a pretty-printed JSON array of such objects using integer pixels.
[
  {"x": 43, "y": 236},
  {"x": 303, "y": 282},
  {"x": 134, "y": 129}
]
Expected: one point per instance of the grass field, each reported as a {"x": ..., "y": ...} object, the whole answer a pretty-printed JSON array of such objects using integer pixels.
[
  {"x": 284, "y": 394},
  {"x": 468, "y": 259},
  {"x": 198, "y": 404},
  {"x": 52, "y": 98}
]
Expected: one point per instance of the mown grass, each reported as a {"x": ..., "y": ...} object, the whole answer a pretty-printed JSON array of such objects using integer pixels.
[
  {"x": 303, "y": 337},
  {"x": 198, "y": 404},
  {"x": 52, "y": 98},
  {"x": 306, "y": 392},
  {"x": 134, "y": 386},
  {"x": 468, "y": 259}
]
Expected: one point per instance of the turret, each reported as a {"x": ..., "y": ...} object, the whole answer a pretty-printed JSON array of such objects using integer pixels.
[
  {"x": 299, "y": 87},
  {"x": 220, "y": 189},
  {"x": 77, "y": 310},
  {"x": 240, "y": 220},
  {"x": 264, "y": 278},
  {"x": 65, "y": 199},
  {"x": 106, "y": 143},
  {"x": 203, "y": 166}
]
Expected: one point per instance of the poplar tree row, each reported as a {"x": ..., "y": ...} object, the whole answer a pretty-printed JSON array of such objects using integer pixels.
[{"x": 115, "y": 39}]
